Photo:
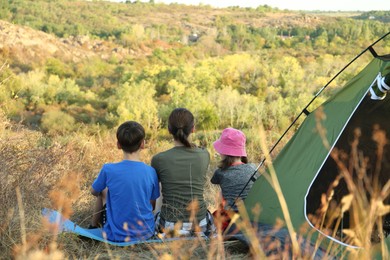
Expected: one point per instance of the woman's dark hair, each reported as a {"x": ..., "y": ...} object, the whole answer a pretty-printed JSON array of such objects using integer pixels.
[
  {"x": 180, "y": 125},
  {"x": 130, "y": 136},
  {"x": 229, "y": 160}
]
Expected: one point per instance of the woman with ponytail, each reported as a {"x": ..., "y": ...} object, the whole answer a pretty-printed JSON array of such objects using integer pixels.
[{"x": 182, "y": 173}]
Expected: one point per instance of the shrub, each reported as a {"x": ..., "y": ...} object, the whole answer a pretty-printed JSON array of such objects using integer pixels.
[{"x": 57, "y": 122}]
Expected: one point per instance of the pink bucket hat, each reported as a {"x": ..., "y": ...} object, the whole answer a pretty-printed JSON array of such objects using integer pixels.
[{"x": 231, "y": 142}]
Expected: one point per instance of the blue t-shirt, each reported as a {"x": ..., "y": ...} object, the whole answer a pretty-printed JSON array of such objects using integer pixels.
[{"x": 131, "y": 185}]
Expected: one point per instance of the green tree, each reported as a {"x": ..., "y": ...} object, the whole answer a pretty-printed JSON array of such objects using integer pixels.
[
  {"x": 68, "y": 92},
  {"x": 236, "y": 110},
  {"x": 194, "y": 100},
  {"x": 321, "y": 42},
  {"x": 135, "y": 101},
  {"x": 56, "y": 67}
]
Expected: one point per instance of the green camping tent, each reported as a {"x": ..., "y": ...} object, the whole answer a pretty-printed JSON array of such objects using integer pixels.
[{"x": 305, "y": 167}]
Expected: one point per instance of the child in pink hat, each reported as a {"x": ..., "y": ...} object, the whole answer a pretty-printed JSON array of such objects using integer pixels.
[{"x": 233, "y": 171}]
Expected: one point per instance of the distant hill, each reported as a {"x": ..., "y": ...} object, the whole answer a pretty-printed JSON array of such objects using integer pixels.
[
  {"x": 26, "y": 45},
  {"x": 39, "y": 41},
  {"x": 76, "y": 30},
  {"x": 71, "y": 31},
  {"x": 84, "y": 60}
]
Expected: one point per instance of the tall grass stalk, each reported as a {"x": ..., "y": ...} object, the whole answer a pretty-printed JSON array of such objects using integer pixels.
[
  {"x": 22, "y": 221},
  {"x": 275, "y": 184},
  {"x": 365, "y": 200}
]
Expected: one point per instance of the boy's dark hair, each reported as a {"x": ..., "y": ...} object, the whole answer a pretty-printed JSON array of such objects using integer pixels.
[
  {"x": 229, "y": 160},
  {"x": 130, "y": 136},
  {"x": 180, "y": 124}
]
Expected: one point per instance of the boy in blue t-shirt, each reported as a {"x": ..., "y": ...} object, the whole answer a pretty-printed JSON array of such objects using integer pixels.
[{"x": 127, "y": 190}]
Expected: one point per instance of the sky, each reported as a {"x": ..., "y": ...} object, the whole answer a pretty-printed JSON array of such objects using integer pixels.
[{"x": 308, "y": 5}]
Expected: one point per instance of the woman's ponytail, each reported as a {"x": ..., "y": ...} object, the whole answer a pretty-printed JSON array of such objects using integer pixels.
[
  {"x": 180, "y": 125},
  {"x": 182, "y": 137}
]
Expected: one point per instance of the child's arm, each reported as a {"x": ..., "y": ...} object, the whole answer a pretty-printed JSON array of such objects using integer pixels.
[
  {"x": 153, "y": 203},
  {"x": 216, "y": 179},
  {"x": 156, "y": 188},
  {"x": 95, "y": 193},
  {"x": 99, "y": 184}
]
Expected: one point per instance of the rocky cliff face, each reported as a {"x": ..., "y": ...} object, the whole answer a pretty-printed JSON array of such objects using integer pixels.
[{"x": 26, "y": 45}]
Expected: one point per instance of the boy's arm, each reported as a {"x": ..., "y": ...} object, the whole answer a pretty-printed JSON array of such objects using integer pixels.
[
  {"x": 99, "y": 183},
  {"x": 153, "y": 203},
  {"x": 95, "y": 193},
  {"x": 156, "y": 187}
]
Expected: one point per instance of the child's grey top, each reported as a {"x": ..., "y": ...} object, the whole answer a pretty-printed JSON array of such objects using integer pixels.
[{"x": 232, "y": 181}]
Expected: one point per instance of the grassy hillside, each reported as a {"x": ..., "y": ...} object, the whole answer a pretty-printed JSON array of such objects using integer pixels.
[{"x": 259, "y": 54}]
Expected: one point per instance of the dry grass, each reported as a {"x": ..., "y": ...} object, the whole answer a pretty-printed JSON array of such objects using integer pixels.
[
  {"x": 365, "y": 200},
  {"x": 38, "y": 171}
]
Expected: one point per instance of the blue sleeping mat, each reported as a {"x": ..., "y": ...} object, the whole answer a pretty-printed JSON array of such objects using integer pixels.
[{"x": 65, "y": 225}]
